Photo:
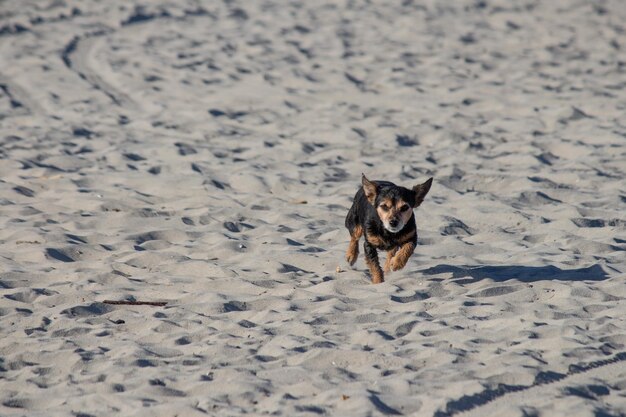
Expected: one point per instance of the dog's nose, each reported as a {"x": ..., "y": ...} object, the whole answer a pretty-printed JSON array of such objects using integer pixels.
[{"x": 393, "y": 222}]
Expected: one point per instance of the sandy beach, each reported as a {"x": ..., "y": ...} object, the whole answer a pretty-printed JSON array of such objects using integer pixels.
[{"x": 204, "y": 154}]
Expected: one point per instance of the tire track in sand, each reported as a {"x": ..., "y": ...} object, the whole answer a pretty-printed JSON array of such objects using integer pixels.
[
  {"x": 16, "y": 104},
  {"x": 76, "y": 57},
  {"x": 475, "y": 404},
  {"x": 76, "y": 53},
  {"x": 19, "y": 99}
]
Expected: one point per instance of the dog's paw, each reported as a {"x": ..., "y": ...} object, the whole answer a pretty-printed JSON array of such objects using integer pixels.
[
  {"x": 378, "y": 279},
  {"x": 397, "y": 264},
  {"x": 351, "y": 258}
]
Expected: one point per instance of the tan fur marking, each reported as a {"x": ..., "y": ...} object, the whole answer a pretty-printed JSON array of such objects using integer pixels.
[
  {"x": 401, "y": 257},
  {"x": 408, "y": 237},
  {"x": 404, "y": 215},
  {"x": 353, "y": 247},
  {"x": 385, "y": 216},
  {"x": 421, "y": 190},
  {"x": 375, "y": 240},
  {"x": 375, "y": 271},
  {"x": 394, "y": 211},
  {"x": 370, "y": 189}
]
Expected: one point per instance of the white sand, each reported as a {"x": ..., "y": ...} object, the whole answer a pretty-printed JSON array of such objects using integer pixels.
[{"x": 206, "y": 155}]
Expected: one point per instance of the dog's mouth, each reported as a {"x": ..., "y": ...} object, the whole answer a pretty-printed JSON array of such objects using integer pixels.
[{"x": 393, "y": 229}]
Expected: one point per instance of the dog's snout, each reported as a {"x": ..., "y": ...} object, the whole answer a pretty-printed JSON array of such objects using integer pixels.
[{"x": 393, "y": 222}]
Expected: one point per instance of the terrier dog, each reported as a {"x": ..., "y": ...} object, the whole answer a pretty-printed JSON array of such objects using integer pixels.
[{"x": 383, "y": 213}]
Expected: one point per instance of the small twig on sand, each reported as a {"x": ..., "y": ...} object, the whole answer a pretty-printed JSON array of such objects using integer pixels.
[{"x": 137, "y": 303}]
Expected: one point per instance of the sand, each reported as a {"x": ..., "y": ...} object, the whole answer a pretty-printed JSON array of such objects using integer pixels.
[{"x": 204, "y": 154}]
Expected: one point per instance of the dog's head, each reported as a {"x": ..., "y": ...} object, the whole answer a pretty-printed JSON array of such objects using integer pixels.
[{"x": 394, "y": 204}]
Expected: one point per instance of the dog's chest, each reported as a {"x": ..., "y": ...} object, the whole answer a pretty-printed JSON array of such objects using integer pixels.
[{"x": 383, "y": 241}]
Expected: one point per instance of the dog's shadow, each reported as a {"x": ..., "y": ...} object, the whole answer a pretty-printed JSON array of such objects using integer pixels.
[{"x": 501, "y": 273}]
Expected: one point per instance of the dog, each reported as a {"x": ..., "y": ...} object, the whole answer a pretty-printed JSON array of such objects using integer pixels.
[{"x": 382, "y": 212}]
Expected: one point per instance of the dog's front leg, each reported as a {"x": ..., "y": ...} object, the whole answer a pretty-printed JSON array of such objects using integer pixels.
[
  {"x": 390, "y": 254},
  {"x": 401, "y": 257},
  {"x": 371, "y": 259}
]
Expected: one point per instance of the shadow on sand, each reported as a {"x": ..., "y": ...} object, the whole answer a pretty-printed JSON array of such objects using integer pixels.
[{"x": 502, "y": 273}]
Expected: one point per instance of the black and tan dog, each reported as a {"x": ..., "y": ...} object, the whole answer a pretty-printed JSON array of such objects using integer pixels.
[{"x": 383, "y": 213}]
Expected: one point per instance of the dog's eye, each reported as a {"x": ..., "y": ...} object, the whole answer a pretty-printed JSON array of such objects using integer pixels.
[
  {"x": 384, "y": 207},
  {"x": 404, "y": 207}
]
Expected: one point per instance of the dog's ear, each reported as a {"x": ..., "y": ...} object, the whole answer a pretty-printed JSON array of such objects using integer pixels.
[
  {"x": 370, "y": 189},
  {"x": 421, "y": 190}
]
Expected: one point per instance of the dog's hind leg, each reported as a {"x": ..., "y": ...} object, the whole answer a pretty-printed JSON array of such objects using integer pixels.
[
  {"x": 353, "y": 247},
  {"x": 356, "y": 231}
]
